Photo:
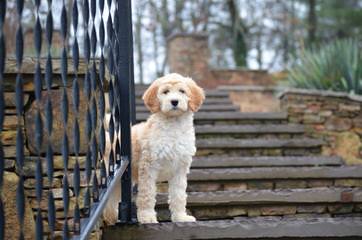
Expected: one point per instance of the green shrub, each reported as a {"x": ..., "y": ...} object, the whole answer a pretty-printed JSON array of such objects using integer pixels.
[{"x": 336, "y": 66}]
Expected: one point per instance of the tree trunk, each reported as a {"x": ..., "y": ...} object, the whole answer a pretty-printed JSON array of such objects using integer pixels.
[
  {"x": 138, "y": 42},
  {"x": 312, "y": 21},
  {"x": 239, "y": 47},
  {"x": 179, "y": 6}
]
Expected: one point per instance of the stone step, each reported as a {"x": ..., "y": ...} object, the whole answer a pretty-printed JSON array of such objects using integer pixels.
[
  {"x": 232, "y": 118},
  {"x": 258, "y": 146},
  {"x": 262, "y": 173},
  {"x": 264, "y": 197},
  {"x": 204, "y": 108},
  {"x": 232, "y": 143},
  {"x": 264, "y": 161},
  {"x": 329, "y": 201},
  {"x": 251, "y": 129},
  {"x": 276, "y": 228},
  {"x": 209, "y": 93},
  {"x": 208, "y": 101}
]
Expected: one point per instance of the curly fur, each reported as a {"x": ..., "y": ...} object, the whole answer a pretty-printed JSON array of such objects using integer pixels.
[{"x": 162, "y": 148}]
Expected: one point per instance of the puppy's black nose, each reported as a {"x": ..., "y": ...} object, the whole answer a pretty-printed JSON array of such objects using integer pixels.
[{"x": 174, "y": 102}]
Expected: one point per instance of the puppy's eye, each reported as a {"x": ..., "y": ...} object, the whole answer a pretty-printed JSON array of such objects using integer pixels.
[
  {"x": 182, "y": 91},
  {"x": 165, "y": 91}
]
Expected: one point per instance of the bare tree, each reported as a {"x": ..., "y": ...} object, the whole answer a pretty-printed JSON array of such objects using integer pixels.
[
  {"x": 312, "y": 21},
  {"x": 138, "y": 39}
]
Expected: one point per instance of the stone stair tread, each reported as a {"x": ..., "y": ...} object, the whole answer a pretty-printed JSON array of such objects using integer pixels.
[
  {"x": 243, "y": 228},
  {"x": 206, "y": 102},
  {"x": 251, "y": 197},
  {"x": 220, "y": 174},
  {"x": 264, "y": 161},
  {"x": 209, "y": 93},
  {"x": 217, "y": 107},
  {"x": 231, "y": 116},
  {"x": 258, "y": 143},
  {"x": 251, "y": 128}
]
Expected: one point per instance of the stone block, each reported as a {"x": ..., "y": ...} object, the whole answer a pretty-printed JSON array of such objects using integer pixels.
[
  {"x": 357, "y": 122},
  {"x": 9, "y": 164},
  {"x": 56, "y": 97},
  {"x": 358, "y": 207},
  {"x": 10, "y": 99},
  {"x": 278, "y": 210},
  {"x": 204, "y": 187},
  {"x": 350, "y": 154},
  {"x": 338, "y": 124},
  {"x": 311, "y": 209},
  {"x": 330, "y": 106},
  {"x": 319, "y": 127},
  {"x": 230, "y": 186},
  {"x": 57, "y": 193},
  {"x": 325, "y": 113},
  {"x": 58, "y": 164},
  {"x": 8, "y": 137},
  {"x": 312, "y": 118},
  {"x": 31, "y": 183},
  {"x": 12, "y": 225},
  {"x": 319, "y": 183},
  {"x": 254, "y": 212},
  {"x": 290, "y": 184},
  {"x": 340, "y": 208},
  {"x": 163, "y": 187},
  {"x": 349, "y": 107},
  {"x": 11, "y": 122},
  {"x": 348, "y": 182},
  {"x": 10, "y": 151},
  {"x": 219, "y": 212},
  {"x": 260, "y": 185}
]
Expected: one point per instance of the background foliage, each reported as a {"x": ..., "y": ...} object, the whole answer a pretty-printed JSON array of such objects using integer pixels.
[
  {"x": 336, "y": 66},
  {"x": 258, "y": 34}
]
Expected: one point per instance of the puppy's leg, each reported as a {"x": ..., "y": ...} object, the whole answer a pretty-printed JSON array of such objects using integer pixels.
[
  {"x": 110, "y": 213},
  {"x": 177, "y": 195},
  {"x": 146, "y": 197}
]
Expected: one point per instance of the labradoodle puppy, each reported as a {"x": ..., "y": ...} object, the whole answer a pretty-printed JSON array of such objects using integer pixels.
[{"x": 162, "y": 147}]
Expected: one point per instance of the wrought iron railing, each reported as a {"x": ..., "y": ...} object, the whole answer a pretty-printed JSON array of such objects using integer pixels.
[{"x": 60, "y": 156}]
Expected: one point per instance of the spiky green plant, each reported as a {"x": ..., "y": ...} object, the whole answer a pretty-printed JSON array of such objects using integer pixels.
[{"x": 336, "y": 66}]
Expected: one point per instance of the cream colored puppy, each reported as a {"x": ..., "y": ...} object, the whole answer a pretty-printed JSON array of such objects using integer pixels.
[{"x": 163, "y": 146}]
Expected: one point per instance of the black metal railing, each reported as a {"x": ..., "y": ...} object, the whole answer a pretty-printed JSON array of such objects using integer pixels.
[{"x": 64, "y": 171}]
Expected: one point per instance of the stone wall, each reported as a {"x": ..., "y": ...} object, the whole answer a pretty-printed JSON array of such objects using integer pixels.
[
  {"x": 188, "y": 54},
  {"x": 27, "y": 125},
  {"x": 240, "y": 77},
  {"x": 253, "y": 98},
  {"x": 336, "y": 117}
]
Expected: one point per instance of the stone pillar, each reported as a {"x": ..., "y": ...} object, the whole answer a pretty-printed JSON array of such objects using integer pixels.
[{"x": 188, "y": 54}]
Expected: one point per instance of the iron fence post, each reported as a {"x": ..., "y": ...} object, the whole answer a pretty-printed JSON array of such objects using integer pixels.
[{"x": 125, "y": 74}]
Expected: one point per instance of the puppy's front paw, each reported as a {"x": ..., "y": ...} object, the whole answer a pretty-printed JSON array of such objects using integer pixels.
[
  {"x": 146, "y": 217},
  {"x": 182, "y": 218}
]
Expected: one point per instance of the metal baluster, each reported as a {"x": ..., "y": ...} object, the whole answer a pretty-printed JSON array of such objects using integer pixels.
[
  {"x": 76, "y": 133},
  {"x": 2, "y": 111},
  {"x": 110, "y": 39},
  {"x": 101, "y": 103},
  {"x": 38, "y": 122},
  {"x": 20, "y": 197},
  {"x": 124, "y": 76},
  {"x": 88, "y": 163},
  {"x": 93, "y": 105},
  {"x": 49, "y": 120},
  {"x": 64, "y": 109}
]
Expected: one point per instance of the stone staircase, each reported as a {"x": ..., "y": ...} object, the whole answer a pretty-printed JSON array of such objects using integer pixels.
[{"x": 256, "y": 176}]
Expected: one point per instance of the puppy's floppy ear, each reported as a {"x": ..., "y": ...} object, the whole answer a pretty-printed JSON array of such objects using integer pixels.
[
  {"x": 197, "y": 96},
  {"x": 150, "y": 98}
]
